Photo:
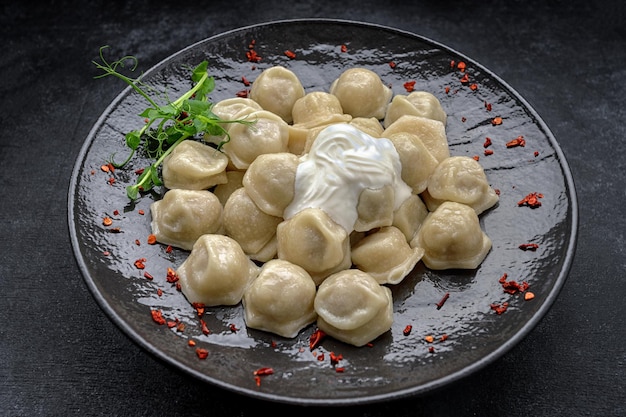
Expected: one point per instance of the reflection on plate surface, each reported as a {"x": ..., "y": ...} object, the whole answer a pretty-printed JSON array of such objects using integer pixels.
[{"x": 396, "y": 365}]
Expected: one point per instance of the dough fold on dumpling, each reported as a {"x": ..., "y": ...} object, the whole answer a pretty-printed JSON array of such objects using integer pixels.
[
  {"x": 216, "y": 272},
  {"x": 375, "y": 208},
  {"x": 192, "y": 165},
  {"x": 280, "y": 300},
  {"x": 386, "y": 255},
  {"x": 431, "y": 132},
  {"x": 312, "y": 240},
  {"x": 264, "y": 132},
  {"x": 452, "y": 238},
  {"x": 410, "y": 216},
  {"x": 234, "y": 180},
  {"x": 461, "y": 179},
  {"x": 270, "y": 181},
  {"x": 417, "y": 161},
  {"x": 353, "y": 307},
  {"x": 369, "y": 125},
  {"x": 361, "y": 93},
  {"x": 182, "y": 216},
  {"x": 246, "y": 223},
  {"x": 276, "y": 89},
  {"x": 416, "y": 103}
]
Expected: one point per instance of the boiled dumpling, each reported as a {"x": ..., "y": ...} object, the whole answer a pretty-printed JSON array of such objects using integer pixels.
[
  {"x": 280, "y": 300},
  {"x": 216, "y": 272},
  {"x": 353, "y": 307},
  {"x": 234, "y": 180},
  {"x": 452, "y": 238},
  {"x": 270, "y": 181},
  {"x": 276, "y": 89},
  {"x": 417, "y": 161},
  {"x": 410, "y": 216},
  {"x": 461, "y": 179},
  {"x": 312, "y": 240},
  {"x": 318, "y": 108},
  {"x": 230, "y": 110},
  {"x": 375, "y": 208},
  {"x": 362, "y": 93},
  {"x": 182, "y": 216},
  {"x": 192, "y": 165},
  {"x": 386, "y": 255},
  {"x": 246, "y": 223},
  {"x": 416, "y": 103},
  {"x": 264, "y": 133},
  {"x": 431, "y": 132},
  {"x": 369, "y": 125}
]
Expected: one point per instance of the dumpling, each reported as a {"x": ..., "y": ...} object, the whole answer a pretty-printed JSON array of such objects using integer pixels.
[
  {"x": 229, "y": 110},
  {"x": 374, "y": 208},
  {"x": 369, "y": 125},
  {"x": 318, "y": 108},
  {"x": 216, "y": 272},
  {"x": 182, "y": 216},
  {"x": 234, "y": 180},
  {"x": 461, "y": 179},
  {"x": 353, "y": 307},
  {"x": 386, "y": 255},
  {"x": 246, "y": 223},
  {"x": 280, "y": 300},
  {"x": 410, "y": 216},
  {"x": 452, "y": 238},
  {"x": 431, "y": 132},
  {"x": 270, "y": 181},
  {"x": 276, "y": 89},
  {"x": 266, "y": 133},
  {"x": 312, "y": 240},
  {"x": 362, "y": 93},
  {"x": 417, "y": 161},
  {"x": 193, "y": 165},
  {"x": 416, "y": 103}
]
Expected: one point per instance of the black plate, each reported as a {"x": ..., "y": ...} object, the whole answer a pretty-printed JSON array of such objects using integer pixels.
[{"x": 396, "y": 365}]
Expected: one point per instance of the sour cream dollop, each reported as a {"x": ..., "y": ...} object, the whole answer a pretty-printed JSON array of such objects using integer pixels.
[{"x": 342, "y": 162}]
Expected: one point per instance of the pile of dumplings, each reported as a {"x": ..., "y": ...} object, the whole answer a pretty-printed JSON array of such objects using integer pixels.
[{"x": 290, "y": 266}]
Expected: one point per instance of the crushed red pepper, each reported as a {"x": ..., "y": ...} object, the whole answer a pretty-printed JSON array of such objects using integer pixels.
[
  {"x": 392, "y": 64},
  {"x": 499, "y": 308},
  {"x": 107, "y": 221},
  {"x": 157, "y": 317},
  {"x": 443, "y": 300},
  {"x": 140, "y": 263},
  {"x": 409, "y": 86},
  {"x": 488, "y": 152},
  {"x": 344, "y": 48},
  {"x": 529, "y": 246},
  {"x": 152, "y": 239},
  {"x": 531, "y": 200},
  {"x": 316, "y": 338},
  {"x": 518, "y": 141},
  {"x": 290, "y": 54},
  {"x": 496, "y": 121},
  {"x": 487, "y": 142},
  {"x": 202, "y": 353},
  {"x": 407, "y": 330}
]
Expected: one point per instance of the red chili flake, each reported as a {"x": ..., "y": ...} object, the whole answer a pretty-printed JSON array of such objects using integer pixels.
[
  {"x": 499, "y": 308},
  {"x": 116, "y": 212},
  {"x": 233, "y": 328},
  {"x": 529, "y": 296},
  {"x": 316, "y": 338},
  {"x": 369, "y": 344},
  {"x": 242, "y": 93},
  {"x": 497, "y": 191},
  {"x": 473, "y": 87},
  {"x": 476, "y": 157},
  {"x": 159, "y": 292},
  {"x": 488, "y": 152},
  {"x": 531, "y": 200},
  {"x": 488, "y": 106},
  {"x": 443, "y": 338},
  {"x": 518, "y": 141},
  {"x": 137, "y": 242},
  {"x": 148, "y": 276},
  {"x": 252, "y": 56},
  {"x": 429, "y": 339},
  {"x": 169, "y": 249},
  {"x": 106, "y": 253},
  {"x": 344, "y": 48},
  {"x": 171, "y": 276},
  {"x": 273, "y": 343},
  {"x": 392, "y": 64},
  {"x": 464, "y": 79},
  {"x": 340, "y": 369},
  {"x": 107, "y": 221},
  {"x": 171, "y": 324},
  {"x": 111, "y": 181},
  {"x": 202, "y": 353},
  {"x": 409, "y": 86},
  {"x": 461, "y": 66},
  {"x": 191, "y": 342},
  {"x": 152, "y": 239},
  {"x": 199, "y": 307},
  {"x": 443, "y": 300},
  {"x": 463, "y": 119},
  {"x": 496, "y": 121},
  {"x": 334, "y": 359},
  {"x": 180, "y": 327},
  {"x": 157, "y": 316},
  {"x": 487, "y": 142},
  {"x": 139, "y": 263},
  {"x": 447, "y": 90},
  {"x": 290, "y": 54},
  {"x": 178, "y": 287},
  {"x": 245, "y": 81},
  {"x": 263, "y": 371},
  {"x": 452, "y": 63},
  {"x": 407, "y": 330},
  {"x": 257, "y": 381},
  {"x": 204, "y": 327},
  {"x": 141, "y": 212},
  {"x": 512, "y": 286},
  {"x": 105, "y": 168},
  {"x": 431, "y": 349},
  {"x": 529, "y": 246},
  {"x": 115, "y": 230},
  {"x": 139, "y": 171},
  {"x": 536, "y": 153}
]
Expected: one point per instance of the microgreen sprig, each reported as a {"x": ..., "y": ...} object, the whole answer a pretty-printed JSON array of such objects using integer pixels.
[{"x": 166, "y": 125}]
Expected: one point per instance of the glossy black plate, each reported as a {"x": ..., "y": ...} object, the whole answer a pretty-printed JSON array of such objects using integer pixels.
[{"x": 395, "y": 365}]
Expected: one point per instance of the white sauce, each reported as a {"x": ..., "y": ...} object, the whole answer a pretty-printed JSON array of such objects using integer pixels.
[{"x": 342, "y": 162}]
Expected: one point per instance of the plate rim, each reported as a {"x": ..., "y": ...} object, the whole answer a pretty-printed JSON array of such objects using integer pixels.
[{"x": 428, "y": 387}]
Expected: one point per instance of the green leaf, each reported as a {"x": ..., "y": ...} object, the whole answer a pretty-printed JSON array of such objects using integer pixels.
[
  {"x": 133, "y": 139},
  {"x": 199, "y": 71}
]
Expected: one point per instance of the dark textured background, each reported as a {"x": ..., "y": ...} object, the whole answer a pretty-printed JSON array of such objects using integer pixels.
[{"x": 59, "y": 354}]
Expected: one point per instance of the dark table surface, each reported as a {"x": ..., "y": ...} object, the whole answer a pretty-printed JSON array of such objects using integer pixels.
[{"x": 60, "y": 355}]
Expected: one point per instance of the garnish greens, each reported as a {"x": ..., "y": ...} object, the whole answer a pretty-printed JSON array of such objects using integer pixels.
[{"x": 166, "y": 125}]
